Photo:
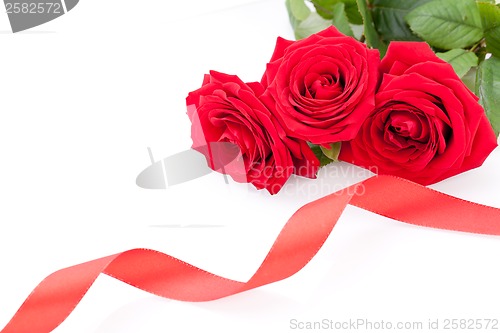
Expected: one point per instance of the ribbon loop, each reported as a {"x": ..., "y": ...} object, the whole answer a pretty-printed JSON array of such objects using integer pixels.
[{"x": 56, "y": 296}]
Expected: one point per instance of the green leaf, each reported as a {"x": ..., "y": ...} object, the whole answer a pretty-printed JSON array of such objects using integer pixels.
[
  {"x": 371, "y": 35},
  {"x": 469, "y": 79},
  {"x": 488, "y": 90},
  {"x": 352, "y": 12},
  {"x": 340, "y": 19},
  {"x": 447, "y": 24},
  {"x": 461, "y": 60},
  {"x": 298, "y": 9},
  {"x": 324, "y": 7},
  {"x": 311, "y": 25},
  {"x": 323, "y": 160},
  {"x": 490, "y": 15},
  {"x": 333, "y": 152},
  {"x": 297, "y": 12},
  {"x": 304, "y": 22},
  {"x": 389, "y": 18},
  {"x": 326, "y": 10}
]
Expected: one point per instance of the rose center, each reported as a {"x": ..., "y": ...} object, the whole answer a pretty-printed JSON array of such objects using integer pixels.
[
  {"x": 408, "y": 125},
  {"x": 325, "y": 86}
]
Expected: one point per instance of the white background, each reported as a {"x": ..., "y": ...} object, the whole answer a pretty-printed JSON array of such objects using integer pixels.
[{"x": 82, "y": 97}]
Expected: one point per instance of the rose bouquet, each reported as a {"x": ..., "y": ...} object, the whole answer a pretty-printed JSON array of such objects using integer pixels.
[
  {"x": 404, "y": 88},
  {"x": 383, "y": 84}
]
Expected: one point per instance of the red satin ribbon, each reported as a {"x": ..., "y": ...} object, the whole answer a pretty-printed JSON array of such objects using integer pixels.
[{"x": 57, "y": 295}]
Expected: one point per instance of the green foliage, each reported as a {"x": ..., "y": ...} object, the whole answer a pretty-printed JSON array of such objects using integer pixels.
[
  {"x": 311, "y": 25},
  {"x": 488, "y": 90},
  {"x": 326, "y": 156},
  {"x": 326, "y": 8},
  {"x": 372, "y": 37},
  {"x": 297, "y": 12},
  {"x": 447, "y": 24},
  {"x": 298, "y": 9},
  {"x": 461, "y": 60},
  {"x": 389, "y": 18},
  {"x": 340, "y": 19},
  {"x": 333, "y": 152},
  {"x": 490, "y": 15},
  {"x": 304, "y": 22}
]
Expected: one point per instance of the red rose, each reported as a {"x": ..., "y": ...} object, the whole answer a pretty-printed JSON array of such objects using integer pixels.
[
  {"x": 225, "y": 109},
  {"x": 323, "y": 86},
  {"x": 427, "y": 125}
]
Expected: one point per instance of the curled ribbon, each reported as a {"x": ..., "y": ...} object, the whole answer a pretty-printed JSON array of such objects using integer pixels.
[{"x": 56, "y": 296}]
